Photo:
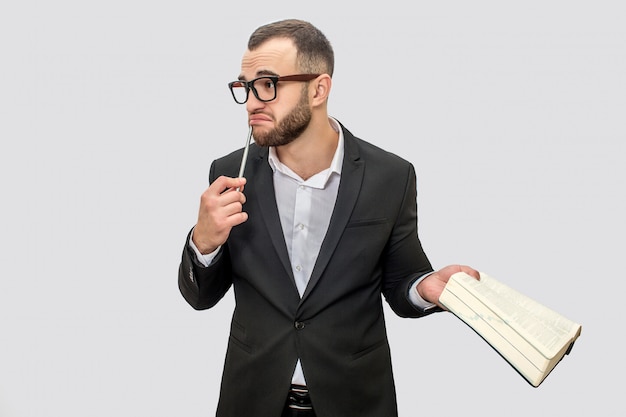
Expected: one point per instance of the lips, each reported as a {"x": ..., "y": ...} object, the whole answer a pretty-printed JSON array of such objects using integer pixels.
[{"x": 258, "y": 119}]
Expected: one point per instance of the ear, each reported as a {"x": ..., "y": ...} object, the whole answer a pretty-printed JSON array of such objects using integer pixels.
[{"x": 320, "y": 89}]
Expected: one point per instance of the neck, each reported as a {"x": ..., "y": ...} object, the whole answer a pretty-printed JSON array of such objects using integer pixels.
[{"x": 312, "y": 152}]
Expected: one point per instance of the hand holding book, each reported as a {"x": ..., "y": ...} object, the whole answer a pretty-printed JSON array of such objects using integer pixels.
[{"x": 431, "y": 287}]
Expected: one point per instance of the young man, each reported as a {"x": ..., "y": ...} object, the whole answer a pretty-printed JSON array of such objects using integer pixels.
[{"x": 322, "y": 225}]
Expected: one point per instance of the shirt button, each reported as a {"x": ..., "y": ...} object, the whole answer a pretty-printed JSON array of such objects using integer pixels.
[
  {"x": 298, "y": 268},
  {"x": 301, "y": 226},
  {"x": 299, "y": 325}
]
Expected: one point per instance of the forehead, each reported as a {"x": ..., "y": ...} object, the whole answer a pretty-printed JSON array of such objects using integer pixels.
[{"x": 276, "y": 56}]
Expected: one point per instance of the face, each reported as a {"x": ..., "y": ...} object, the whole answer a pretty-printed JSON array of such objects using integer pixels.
[{"x": 282, "y": 120}]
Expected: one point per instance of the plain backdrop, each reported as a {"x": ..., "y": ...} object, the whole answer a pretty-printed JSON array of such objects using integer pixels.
[{"x": 513, "y": 114}]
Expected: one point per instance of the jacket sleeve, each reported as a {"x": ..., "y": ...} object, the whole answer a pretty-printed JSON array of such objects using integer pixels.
[
  {"x": 203, "y": 286},
  {"x": 405, "y": 258}
]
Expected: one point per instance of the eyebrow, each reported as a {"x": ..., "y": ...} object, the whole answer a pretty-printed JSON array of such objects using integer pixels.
[{"x": 259, "y": 73}]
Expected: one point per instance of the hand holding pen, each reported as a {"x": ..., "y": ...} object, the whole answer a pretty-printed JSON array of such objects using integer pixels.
[{"x": 221, "y": 208}]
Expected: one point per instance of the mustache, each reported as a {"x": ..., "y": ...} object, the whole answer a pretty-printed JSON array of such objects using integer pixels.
[{"x": 260, "y": 112}]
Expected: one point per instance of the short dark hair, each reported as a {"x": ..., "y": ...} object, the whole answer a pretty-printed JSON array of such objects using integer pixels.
[{"x": 315, "y": 53}]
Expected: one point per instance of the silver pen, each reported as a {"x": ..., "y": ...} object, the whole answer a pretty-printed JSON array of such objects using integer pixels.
[{"x": 244, "y": 158}]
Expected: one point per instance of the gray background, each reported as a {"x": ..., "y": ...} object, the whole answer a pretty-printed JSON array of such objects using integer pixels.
[{"x": 111, "y": 112}]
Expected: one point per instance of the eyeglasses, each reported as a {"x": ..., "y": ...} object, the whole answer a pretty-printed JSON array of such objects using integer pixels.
[{"x": 264, "y": 88}]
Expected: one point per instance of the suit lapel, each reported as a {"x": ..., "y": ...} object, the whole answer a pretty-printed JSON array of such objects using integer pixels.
[
  {"x": 349, "y": 186},
  {"x": 267, "y": 203}
]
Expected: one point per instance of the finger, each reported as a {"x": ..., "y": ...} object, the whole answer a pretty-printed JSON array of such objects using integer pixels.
[
  {"x": 237, "y": 218},
  {"x": 223, "y": 183},
  {"x": 470, "y": 271},
  {"x": 232, "y": 208},
  {"x": 230, "y": 203},
  {"x": 215, "y": 199}
]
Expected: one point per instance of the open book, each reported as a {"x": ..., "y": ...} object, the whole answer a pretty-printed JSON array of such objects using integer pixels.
[{"x": 530, "y": 336}]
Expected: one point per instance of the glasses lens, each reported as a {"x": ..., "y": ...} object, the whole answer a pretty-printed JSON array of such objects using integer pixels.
[
  {"x": 265, "y": 88},
  {"x": 239, "y": 90}
]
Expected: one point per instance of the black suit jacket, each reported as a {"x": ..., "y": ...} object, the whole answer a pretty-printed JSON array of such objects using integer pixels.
[{"x": 337, "y": 328}]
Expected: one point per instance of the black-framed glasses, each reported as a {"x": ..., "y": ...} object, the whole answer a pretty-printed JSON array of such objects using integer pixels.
[{"x": 264, "y": 88}]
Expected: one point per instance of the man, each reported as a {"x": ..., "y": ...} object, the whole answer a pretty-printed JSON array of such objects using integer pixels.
[{"x": 321, "y": 224}]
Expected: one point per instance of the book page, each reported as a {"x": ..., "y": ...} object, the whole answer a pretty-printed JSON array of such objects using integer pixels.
[
  {"x": 538, "y": 324},
  {"x": 495, "y": 330},
  {"x": 510, "y": 345}
]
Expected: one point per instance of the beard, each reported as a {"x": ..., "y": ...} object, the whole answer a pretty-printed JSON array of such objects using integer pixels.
[{"x": 289, "y": 128}]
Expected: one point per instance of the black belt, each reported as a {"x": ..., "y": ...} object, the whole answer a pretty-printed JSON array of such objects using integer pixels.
[{"x": 298, "y": 398}]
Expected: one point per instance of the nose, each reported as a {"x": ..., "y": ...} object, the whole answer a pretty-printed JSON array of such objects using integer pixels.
[{"x": 253, "y": 104}]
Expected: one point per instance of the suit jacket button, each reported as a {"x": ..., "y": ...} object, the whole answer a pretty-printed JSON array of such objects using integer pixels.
[{"x": 299, "y": 325}]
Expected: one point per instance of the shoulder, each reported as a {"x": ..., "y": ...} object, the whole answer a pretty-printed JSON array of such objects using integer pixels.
[
  {"x": 229, "y": 164},
  {"x": 357, "y": 148}
]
